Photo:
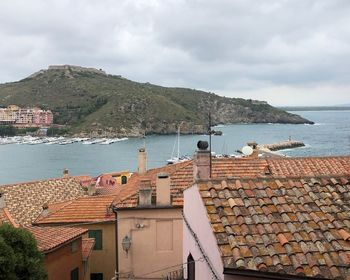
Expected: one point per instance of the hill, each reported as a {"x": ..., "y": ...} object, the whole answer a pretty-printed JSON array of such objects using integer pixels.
[{"x": 88, "y": 100}]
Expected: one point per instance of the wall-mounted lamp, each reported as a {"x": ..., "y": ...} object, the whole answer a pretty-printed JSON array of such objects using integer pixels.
[{"x": 126, "y": 243}]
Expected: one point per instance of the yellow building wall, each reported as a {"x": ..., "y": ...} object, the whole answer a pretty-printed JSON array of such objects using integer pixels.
[
  {"x": 103, "y": 261},
  {"x": 156, "y": 242}
]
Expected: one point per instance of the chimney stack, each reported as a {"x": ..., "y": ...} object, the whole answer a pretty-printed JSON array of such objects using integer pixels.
[
  {"x": 65, "y": 173},
  {"x": 45, "y": 211},
  {"x": 254, "y": 146},
  {"x": 142, "y": 161},
  {"x": 91, "y": 189},
  {"x": 2, "y": 200},
  {"x": 163, "y": 189},
  {"x": 201, "y": 162},
  {"x": 145, "y": 193}
]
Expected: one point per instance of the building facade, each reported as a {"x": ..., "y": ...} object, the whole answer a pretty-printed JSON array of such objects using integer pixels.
[{"x": 26, "y": 117}]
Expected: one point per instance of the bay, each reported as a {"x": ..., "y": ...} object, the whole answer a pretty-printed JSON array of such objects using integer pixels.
[{"x": 19, "y": 163}]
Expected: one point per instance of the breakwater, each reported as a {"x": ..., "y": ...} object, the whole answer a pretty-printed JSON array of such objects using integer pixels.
[{"x": 289, "y": 144}]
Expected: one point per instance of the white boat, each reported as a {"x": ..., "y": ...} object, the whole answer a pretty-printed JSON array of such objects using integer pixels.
[
  {"x": 121, "y": 139},
  {"x": 94, "y": 141},
  {"x": 178, "y": 158},
  {"x": 66, "y": 142},
  {"x": 108, "y": 142}
]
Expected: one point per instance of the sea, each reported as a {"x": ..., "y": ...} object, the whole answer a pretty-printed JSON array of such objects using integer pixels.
[{"x": 330, "y": 135}]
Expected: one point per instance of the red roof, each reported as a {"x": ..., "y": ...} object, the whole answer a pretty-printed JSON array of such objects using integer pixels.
[
  {"x": 5, "y": 217},
  {"x": 86, "y": 209},
  {"x": 287, "y": 226},
  {"x": 50, "y": 238},
  {"x": 87, "y": 245},
  {"x": 181, "y": 174}
]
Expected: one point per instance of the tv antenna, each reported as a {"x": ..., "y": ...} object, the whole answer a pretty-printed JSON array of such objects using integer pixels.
[{"x": 210, "y": 132}]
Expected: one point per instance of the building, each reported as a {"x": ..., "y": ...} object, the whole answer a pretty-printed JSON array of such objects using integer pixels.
[
  {"x": 66, "y": 252},
  {"x": 95, "y": 215},
  {"x": 131, "y": 212},
  {"x": 148, "y": 224},
  {"x": 25, "y": 117},
  {"x": 270, "y": 227},
  {"x": 25, "y": 201}
]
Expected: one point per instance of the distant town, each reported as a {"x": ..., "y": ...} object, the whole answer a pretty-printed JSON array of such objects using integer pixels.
[{"x": 25, "y": 117}]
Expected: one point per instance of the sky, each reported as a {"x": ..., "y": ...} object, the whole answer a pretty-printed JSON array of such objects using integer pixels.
[{"x": 286, "y": 52}]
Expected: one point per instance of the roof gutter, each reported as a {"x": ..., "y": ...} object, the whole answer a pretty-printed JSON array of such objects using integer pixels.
[{"x": 266, "y": 275}]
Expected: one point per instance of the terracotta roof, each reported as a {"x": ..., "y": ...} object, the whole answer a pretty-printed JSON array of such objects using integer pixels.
[
  {"x": 87, "y": 245},
  {"x": 50, "y": 238},
  {"x": 25, "y": 200},
  {"x": 5, "y": 217},
  {"x": 310, "y": 166},
  {"x": 86, "y": 209},
  {"x": 181, "y": 174},
  {"x": 289, "y": 226},
  {"x": 108, "y": 190}
]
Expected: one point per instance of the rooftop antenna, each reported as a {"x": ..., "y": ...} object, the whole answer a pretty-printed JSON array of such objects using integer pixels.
[
  {"x": 210, "y": 133},
  {"x": 144, "y": 139}
]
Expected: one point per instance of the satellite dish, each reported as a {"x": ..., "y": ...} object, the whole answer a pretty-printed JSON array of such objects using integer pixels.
[{"x": 247, "y": 150}]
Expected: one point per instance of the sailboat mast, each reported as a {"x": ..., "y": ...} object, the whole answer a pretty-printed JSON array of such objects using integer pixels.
[{"x": 178, "y": 142}]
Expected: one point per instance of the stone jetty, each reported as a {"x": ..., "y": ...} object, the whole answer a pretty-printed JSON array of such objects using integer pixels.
[{"x": 289, "y": 144}]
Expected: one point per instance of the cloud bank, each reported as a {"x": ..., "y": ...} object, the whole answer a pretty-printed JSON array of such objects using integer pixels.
[{"x": 288, "y": 52}]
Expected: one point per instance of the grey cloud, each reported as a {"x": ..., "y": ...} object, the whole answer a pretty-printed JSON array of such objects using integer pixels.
[{"x": 231, "y": 47}]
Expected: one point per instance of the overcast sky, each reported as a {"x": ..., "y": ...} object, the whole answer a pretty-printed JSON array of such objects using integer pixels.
[{"x": 294, "y": 52}]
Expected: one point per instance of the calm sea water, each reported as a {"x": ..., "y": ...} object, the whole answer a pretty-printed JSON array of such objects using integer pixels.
[{"x": 329, "y": 136}]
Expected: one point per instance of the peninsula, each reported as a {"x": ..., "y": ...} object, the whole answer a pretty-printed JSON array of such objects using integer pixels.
[{"x": 88, "y": 101}]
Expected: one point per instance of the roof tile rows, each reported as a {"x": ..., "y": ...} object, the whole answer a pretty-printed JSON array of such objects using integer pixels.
[
  {"x": 85, "y": 209},
  {"x": 24, "y": 201},
  {"x": 87, "y": 246},
  {"x": 5, "y": 217},
  {"x": 50, "y": 238},
  {"x": 181, "y": 174},
  {"x": 294, "y": 226}
]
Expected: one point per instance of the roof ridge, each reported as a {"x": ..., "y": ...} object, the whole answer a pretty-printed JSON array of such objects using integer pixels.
[
  {"x": 40, "y": 180},
  {"x": 64, "y": 204},
  {"x": 307, "y": 157}
]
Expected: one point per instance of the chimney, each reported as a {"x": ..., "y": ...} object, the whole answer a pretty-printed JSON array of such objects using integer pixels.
[
  {"x": 91, "y": 189},
  {"x": 201, "y": 162},
  {"x": 2, "y": 200},
  {"x": 163, "y": 189},
  {"x": 145, "y": 193},
  {"x": 142, "y": 161},
  {"x": 254, "y": 146},
  {"x": 65, "y": 173},
  {"x": 45, "y": 211}
]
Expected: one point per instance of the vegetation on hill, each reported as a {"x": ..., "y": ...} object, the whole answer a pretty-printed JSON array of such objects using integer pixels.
[{"x": 91, "y": 101}]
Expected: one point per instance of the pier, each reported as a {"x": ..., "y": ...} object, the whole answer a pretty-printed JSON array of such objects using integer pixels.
[{"x": 289, "y": 144}]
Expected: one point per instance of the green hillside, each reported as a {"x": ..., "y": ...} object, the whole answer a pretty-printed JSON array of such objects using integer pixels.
[{"x": 88, "y": 100}]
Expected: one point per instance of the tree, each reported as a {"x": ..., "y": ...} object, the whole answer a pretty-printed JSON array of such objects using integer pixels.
[{"x": 19, "y": 255}]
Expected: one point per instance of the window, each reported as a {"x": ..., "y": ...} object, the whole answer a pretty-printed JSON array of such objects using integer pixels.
[
  {"x": 96, "y": 276},
  {"x": 124, "y": 180},
  {"x": 190, "y": 268},
  {"x": 74, "y": 274},
  {"x": 97, "y": 234}
]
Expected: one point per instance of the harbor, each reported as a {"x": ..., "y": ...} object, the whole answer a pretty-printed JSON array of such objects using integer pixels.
[{"x": 32, "y": 140}]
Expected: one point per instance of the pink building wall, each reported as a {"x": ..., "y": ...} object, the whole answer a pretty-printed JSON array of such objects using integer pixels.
[{"x": 196, "y": 214}]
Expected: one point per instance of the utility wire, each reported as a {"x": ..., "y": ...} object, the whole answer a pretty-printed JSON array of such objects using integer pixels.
[
  {"x": 206, "y": 258},
  {"x": 169, "y": 267}
]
